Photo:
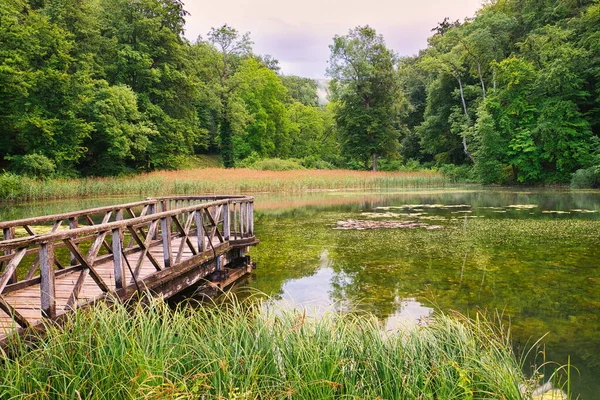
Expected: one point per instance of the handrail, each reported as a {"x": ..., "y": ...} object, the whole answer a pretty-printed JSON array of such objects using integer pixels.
[
  {"x": 104, "y": 209},
  {"x": 226, "y": 219}
]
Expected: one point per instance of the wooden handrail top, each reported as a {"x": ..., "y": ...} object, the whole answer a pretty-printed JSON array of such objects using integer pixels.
[
  {"x": 109, "y": 226},
  {"x": 98, "y": 210},
  {"x": 72, "y": 214},
  {"x": 212, "y": 197}
]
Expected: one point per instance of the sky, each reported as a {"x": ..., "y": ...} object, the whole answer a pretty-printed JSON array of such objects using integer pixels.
[{"x": 299, "y": 33}]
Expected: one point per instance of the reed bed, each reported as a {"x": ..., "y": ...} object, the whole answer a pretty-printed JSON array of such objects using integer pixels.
[
  {"x": 220, "y": 180},
  {"x": 244, "y": 351}
]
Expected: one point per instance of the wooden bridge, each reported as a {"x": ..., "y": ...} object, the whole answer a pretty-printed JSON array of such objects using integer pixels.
[{"x": 53, "y": 264}]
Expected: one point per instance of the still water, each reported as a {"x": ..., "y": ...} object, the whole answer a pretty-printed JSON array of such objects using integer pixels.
[{"x": 531, "y": 256}]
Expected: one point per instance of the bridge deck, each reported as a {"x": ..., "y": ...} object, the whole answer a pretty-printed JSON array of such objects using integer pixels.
[
  {"x": 224, "y": 224},
  {"x": 27, "y": 300}
]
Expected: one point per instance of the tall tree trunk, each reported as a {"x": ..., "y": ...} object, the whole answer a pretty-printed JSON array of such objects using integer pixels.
[
  {"x": 481, "y": 79},
  {"x": 464, "y": 104},
  {"x": 374, "y": 162},
  {"x": 226, "y": 143}
]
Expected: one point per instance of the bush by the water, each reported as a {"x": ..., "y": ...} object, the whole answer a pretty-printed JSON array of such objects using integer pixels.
[
  {"x": 33, "y": 165},
  {"x": 244, "y": 351},
  {"x": 457, "y": 173},
  {"x": 276, "y": 164},
  {"x": 585, "y": 178},
  {"x": 11, "y": 186}
]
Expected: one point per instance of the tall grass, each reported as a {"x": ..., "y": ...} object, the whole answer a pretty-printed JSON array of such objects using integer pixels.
[
  {"x": 241, "y": 351},
  {"x": 219, "y": 180}
]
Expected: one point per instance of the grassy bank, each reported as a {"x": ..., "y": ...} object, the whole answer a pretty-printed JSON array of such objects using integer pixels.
[
  {"x": 215, "y": 180},
  {"x": 244, "y": 352}
]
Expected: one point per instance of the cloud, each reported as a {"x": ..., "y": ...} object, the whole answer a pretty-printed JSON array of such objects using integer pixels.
[{"x": 298, "y": 33}]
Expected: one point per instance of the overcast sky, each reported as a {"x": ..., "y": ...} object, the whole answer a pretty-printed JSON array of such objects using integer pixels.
[{"x": 298, "y": 33}]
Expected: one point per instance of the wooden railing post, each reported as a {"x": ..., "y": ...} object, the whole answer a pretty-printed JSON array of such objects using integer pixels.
[
  {"x": 235, "y": 212},
  {"x": 117, "y": 248},
  {"x": 226, "y": 226},
  {"x": 242, "y": 206},
  {"x": 200, "y": 228},
  {"x": 251, "y": 218},
  {"x": 248, "y": 218},
  {"x": 9, "y": 233},
  {"x": 47, "y": 288},
  {"x": 74, "y": 224},
  {"x": 165, "y": 224}
]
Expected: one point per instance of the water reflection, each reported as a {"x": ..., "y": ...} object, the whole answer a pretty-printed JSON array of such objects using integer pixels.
[{"x": 531, "y": 255}]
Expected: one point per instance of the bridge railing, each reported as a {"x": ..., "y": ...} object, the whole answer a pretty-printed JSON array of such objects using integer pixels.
[{"x": 123, "y": 238}]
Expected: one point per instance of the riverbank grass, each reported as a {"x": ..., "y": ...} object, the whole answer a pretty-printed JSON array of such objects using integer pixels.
[
  {"x": 242, "y": 351},
  {"x": 214, "y": 180}
]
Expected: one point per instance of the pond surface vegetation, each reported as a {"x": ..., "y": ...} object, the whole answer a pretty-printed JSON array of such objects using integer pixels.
[{"x": 530, "y": 255}]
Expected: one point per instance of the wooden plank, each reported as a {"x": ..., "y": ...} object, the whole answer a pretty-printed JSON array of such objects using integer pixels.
[
  {"x": 165, "y": 226},
  {"x": 16, "y": 315},
  {"x": 118, "y": 267},
  {"x": 77, "y": 289},
  {"x": 9, "y": 233},
  {"x": 143, "y": 245},
  {"x": 97, "y": 278},
  {"x": 73, "y": 224},
  {"x": 11, "y": 267}
]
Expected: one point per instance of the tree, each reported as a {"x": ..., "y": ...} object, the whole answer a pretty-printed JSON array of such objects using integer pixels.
[
  {"x": 301, "y": 89},
  {"x": 232, "y": 48},
  {"x": 263, "y": 94},
  {"x": 365, "y": 84}
]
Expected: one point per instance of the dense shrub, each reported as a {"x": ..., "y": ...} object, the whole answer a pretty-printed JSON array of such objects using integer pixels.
[
  {"x": 276, "y": 164},
  {"x": 11, "y": 186},
  {"x": 585, "y": 178},
  {"x": 313, "y": 162},
  {"x": 33, "y": 165},
  {"x": 457, "y": 173}
]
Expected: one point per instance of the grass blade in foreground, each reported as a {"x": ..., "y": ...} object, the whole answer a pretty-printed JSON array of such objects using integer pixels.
[{"x": 239, "y": 350}]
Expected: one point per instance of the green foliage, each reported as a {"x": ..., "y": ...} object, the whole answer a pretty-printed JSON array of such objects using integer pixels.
[
  {"x": 120, "y": 139},
  {"x": 33, "y": 165},
  {"x": 303, "y": 90},
  {"x": 276, "y": 164},
  {"x": 457, "y": 173},
  {"x": 264, "y": 95},
  {"x": 588, "y": 178},
  {"x": 517, "y": 84},
  {"x": 11, "y": 186},
  {"x": 366, "y": 88}
]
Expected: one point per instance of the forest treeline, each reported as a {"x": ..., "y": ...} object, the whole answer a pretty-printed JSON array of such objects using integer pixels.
[
  {"x": 106, "y": 87},
  {"x": 513, "y": 93}
]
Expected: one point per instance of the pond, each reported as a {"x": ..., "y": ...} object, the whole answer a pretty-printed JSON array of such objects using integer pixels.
[{"x": 530, "y": 256}]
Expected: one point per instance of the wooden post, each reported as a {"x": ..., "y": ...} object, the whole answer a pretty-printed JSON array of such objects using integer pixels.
[
  {"x": 154, "y": 209},
  {"x": 251, "y": 209},
  {"x": 248, "y": 219},
  {"x": 117, "y": 248},
  {"x": 235, "y": 207},
  {"x": 74, "y": 224},
  {"x": 242, "y": 220},
  {"x": 200, "y": 230},
  {"x": 9, "y": 233},
  {"x": 165, "y": 224},
  {"x": 47, "y": 288},
  {"x": 226, "y": 226}
]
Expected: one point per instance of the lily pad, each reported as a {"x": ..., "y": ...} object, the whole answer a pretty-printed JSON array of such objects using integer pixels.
[{"x": 370, "y": 224}]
